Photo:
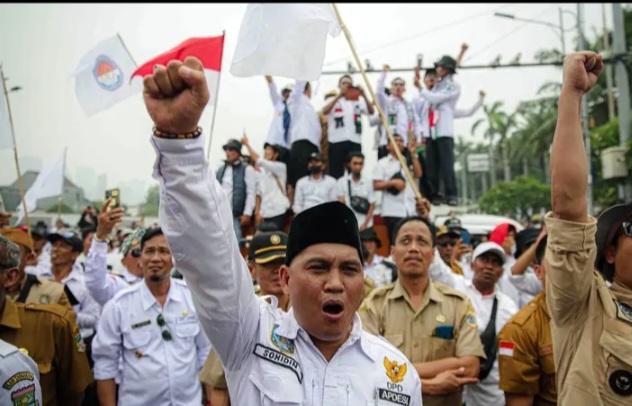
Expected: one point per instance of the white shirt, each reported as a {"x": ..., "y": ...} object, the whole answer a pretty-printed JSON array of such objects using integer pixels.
[
  {"x": 271, "y": 187},
  {"x": 311, "y": 192},
  {"x": 155, "y": 371},
  {"x": 251, "y": 187},
  {"x": 361, "y": 188},
  {"x": 19, "y": 377},
  {"x": 369, "y": 269},
  {"x": 398, "y": 205},
  {"x": 422, "y": 107},
  {"x": 528, "y": 286},
  {"x": 341, "y": 121},
  {"x": 443, "y": 96},
  {"x": 101, "y": 285},
  {"x": 401, "y": 111},
  {"x": 276, "y": 132},
  {"x": 305, "y": 123},
  {"x": 88, "y": 310},
  {"x": 486, "y": 392},
  {"x": 238, "y": 323}
]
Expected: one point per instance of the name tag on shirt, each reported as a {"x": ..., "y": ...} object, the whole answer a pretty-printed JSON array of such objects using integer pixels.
[
  {"x": 186, "y": 319},
  {"x": 279, "y": 358},
  {"x": 141, "y": 324},
  {"x": 389, "y": 397}
]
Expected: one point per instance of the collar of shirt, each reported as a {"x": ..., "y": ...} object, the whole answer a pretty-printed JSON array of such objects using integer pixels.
[
  {"x": 75, "y": 274},
  {"x": 10, "y": 317},
  {"x": 478, "y": 294},
  {"x": 431, "y": 293},
  {"x": 149, "y": 300},
  {"x": 289, "y": 328}
]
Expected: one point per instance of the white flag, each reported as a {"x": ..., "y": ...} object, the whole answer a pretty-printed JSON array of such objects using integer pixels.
[
  {"x": 6, "y": 139},
  {"x": 284, "y": 40},
  {"x": 102, "y": 77},
  {"x": 49, "y": 183}
]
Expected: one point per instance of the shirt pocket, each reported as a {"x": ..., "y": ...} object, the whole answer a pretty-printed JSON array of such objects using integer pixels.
[
  {"x": 136, "y": 339},
  {"x": 278, "y": 386},
  {"x": 438, "y": 348},
  {"x": 617, "y": 381},
  {"x": 187, "y": 330}
]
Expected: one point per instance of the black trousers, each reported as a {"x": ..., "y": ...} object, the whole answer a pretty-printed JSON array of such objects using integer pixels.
[
  {"x": 338, "y": 154},
  {"x": 440, "y": 164},
  {"x": 279, "y": 221},
  {"x": 391, "y": 222},
  {"x": 299, "y": 156},
  {"x": 424, "y": 184},
  {"x": 381, "y": 152}
]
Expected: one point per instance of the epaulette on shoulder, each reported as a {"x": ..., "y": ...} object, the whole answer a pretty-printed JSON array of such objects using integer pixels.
[
  {"x": 380, "y": 292},
  {"x": 523, "y": 314},
  {"x": 127, "y": 291},
  {"x": 446, "y": 290},
  {"x": 55, "y": 309}
]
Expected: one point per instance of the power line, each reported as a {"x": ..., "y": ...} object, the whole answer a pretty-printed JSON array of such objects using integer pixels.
[{"x": 432, "y": 30}]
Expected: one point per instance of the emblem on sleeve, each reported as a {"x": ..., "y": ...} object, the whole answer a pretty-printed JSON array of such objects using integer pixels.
[
  {"x": 44, "y": 299},
  {"x": 24, "y": 396},
  {"x": 81, "y": 346},
  {"x": 286, "y": 345},
  {"x": 19, "y": 377},
  {"x": 621, "y": 382},
  {"x": 395, "y": 371},
  {"x": 624, "y": 312}
]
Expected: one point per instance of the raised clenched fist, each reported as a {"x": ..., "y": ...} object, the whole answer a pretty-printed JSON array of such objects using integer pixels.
[
  {"x": 581, "y": 71},
  {"x": 175, "y": 95}
]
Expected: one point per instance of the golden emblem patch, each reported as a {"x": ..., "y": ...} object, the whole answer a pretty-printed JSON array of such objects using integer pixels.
[
  {"x": 275, "y": 239},
  {"x": 395, "y": 371}
]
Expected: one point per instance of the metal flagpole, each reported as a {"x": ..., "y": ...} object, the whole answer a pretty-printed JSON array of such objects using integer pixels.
[
  {"x": 63, "y": 180},
  {"x": 15, "y": 152},
  {"x": 387, "y": 128},
  {"x": 219, "y": 81}
]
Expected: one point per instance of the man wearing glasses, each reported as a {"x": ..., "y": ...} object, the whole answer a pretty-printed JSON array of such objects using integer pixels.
[
  {"x": 101, "y": 286},
  {"x": 154, "y": 327}
]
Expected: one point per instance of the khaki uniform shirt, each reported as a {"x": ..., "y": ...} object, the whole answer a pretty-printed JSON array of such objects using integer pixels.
[
  {"x": 526, "y": 357},
  {"x": 444, "y": 312},
  {"x": 51, "y": 337},
  {"x": 44, "y": 291},
  {"x": 591, "y": 324}
]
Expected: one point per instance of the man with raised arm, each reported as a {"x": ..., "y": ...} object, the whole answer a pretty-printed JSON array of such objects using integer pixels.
[
  {"x": 316, "y": 354},
  {"x": 591, "y": 323}
]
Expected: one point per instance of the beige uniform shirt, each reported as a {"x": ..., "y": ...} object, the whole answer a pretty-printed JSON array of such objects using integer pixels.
[
  {"x": 591, "y": 324},
  {"x": 44, "y": 291},
  {"x": 444, "y": 312}
]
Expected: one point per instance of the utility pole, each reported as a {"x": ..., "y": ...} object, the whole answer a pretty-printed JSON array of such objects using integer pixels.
[
  {"x": 623, "y": 88},
  {"x": 608, "y": 52},
  {"x": 582, "y": 47}
]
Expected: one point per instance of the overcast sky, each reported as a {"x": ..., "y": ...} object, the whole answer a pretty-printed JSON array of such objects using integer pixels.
[{"x": 41, "y": 45}]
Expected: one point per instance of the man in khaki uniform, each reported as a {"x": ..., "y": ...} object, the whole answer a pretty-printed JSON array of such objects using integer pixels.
[
  {"x": 433, "y": 325},
  {"x": 591, "y": 323},
  {"x": 48, "y": 334},
  {"x": 266, "y": 254},
  {"x": 525, "y": 359},
  {"x": 30, "y": 288}
]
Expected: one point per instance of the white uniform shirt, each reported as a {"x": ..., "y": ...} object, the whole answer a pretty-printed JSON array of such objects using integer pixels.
[
  {"x": 444, "y": 96},
  {"x": 88, "y": 310},
  {"x": 271, "y": 187},
  {"x": 261, "y": 368},
  {"x": 251, "y": 187},
  {"x": 369, "y": 269},
  {"x": 362, "y": 188},
  {"x": 155, "y": 371},
  {"x": 341, "y": 121},
  {"x": 527, "y": 284},
  {"x": 19, "y": 378},
  {"x": 101, "y": 285},
  {"x": 304, "y": 122},
  {"x": 276, "y": 132},
  {"x": 311, "y": 192},
  {"x": 394, "y": 205},
  {"x": 402, "y": 108},
  {"x": 422, "y": 108},
  {"x": 486, "y": 392}
]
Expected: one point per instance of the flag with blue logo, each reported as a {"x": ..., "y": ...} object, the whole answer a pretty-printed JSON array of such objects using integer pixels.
[{"x": 102, "y": 78}]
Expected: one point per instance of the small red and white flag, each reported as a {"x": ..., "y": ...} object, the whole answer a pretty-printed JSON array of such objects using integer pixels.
[
  {"x": 209, "y": 50},
  {"x": 506, "y": 348}
]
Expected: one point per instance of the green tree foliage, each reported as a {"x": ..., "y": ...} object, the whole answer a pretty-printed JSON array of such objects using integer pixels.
[
  {"x": 152, "y": 201},
  {"x": 522, "y": 194},
  {"x": 65, "y": 209}
]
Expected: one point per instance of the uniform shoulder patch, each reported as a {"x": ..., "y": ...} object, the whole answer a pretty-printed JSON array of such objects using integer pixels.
[
  {"x": 53, "y": 308},
  {"x": 380, "y": 292},
  {"x": 448, "y": 291},
  {"x": 523, "y": 314}
]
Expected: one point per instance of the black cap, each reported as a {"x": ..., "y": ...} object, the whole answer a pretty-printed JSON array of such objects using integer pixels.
[
  {"x": 447, "y": 62},
  {"x": 370, "y": 235},
  {"x": 525, "y": 238},
  {"x": 316, "y": 156},
  {"x": 266, "y": 247},
  {"x": 608, "y": 224},
  {"x": 69, "y": 237},
  {"x": 453, "y": 223},
  {"x": 233, "y": 144},
  {"x": 331, "y": 222}
]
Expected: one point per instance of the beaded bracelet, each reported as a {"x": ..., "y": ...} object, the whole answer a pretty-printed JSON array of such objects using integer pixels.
[{"x": 193, "y": 134}]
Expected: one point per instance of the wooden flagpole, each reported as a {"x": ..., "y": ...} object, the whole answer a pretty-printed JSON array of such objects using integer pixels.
[
  {"x": 15, "y": 152},
  {"x": 219, "y": 81},
  {"x": 387, "y": 128},
  {"x": 63, "y": 184}
]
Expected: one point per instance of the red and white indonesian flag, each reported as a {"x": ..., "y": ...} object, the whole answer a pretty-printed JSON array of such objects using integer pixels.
[
  {"x": 209, "y": 50},
  {"x": 285, "y": 40},
  {"x": 506, "y": 348},
  {"x": 102, "y": 76}
]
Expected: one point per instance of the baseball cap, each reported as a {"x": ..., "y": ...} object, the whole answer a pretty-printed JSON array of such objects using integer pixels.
[
  {"x": 489, "y": 246},
  {"x": 315, "y": 156},
  {"x": 453, "y": 223},
  {"x": 267, "y": 247},
  {"x": 443, "y": 230},
  {"x": 18, "y": 236},
  {"x": 69, "y": 237}
]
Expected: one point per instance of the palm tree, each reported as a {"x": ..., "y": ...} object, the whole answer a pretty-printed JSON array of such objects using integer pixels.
[
  {"x": 491, "y": 116},
  {"x": 504, "y": 126}
]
